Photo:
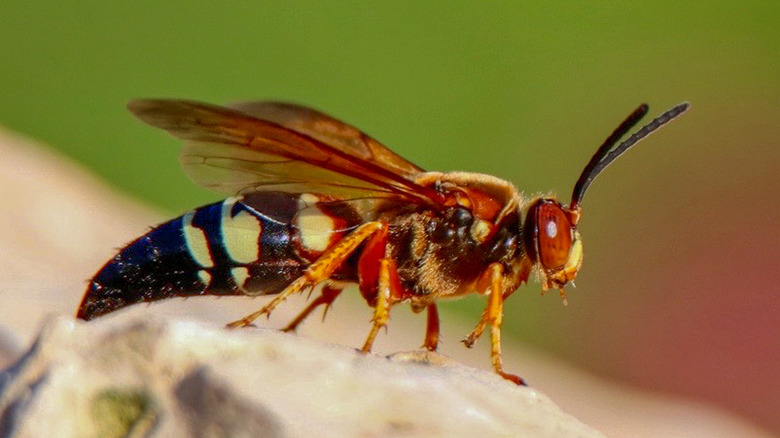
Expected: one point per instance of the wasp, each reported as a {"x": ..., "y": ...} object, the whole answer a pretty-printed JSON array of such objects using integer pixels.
[{"x": 315, "y": 201}]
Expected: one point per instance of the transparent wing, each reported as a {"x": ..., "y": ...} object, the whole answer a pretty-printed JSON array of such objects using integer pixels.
[
  {"x": 235, "y": 152},
  {"x": 233, "y": 169},
  {"x": 331, "y": 131}
]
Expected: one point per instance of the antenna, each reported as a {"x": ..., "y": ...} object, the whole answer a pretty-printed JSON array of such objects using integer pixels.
[{"x": 605, "y": 155}]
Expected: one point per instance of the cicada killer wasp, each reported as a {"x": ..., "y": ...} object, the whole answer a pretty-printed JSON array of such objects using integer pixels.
[{"x": 314, "y": 201}]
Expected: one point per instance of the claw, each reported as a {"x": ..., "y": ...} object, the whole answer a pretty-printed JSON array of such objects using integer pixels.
[{"x": 517, "y": 380}]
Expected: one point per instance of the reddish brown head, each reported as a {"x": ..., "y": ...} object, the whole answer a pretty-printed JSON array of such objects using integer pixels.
[
  {"x": 553, "y": 242},
  {"x": 550, "y": 229}
]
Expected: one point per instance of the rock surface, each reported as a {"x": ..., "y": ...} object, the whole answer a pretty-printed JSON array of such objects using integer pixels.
[{"x": 179, "y": 378}]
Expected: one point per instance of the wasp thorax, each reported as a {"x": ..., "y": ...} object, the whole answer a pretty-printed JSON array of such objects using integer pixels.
[{"x": 553, "y": 242}]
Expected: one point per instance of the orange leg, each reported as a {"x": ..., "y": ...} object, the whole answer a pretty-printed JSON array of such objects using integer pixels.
[
  {"x": 483, "y": 284},
  {"x": 385, "y": 292},
  {"x": 493, "y": 315},
  {"x": 318, "y": 271},
  {"x": 432, "y": 329},
  {"x": 477, "y": 332},
  {"x": 327, "y": 296}
]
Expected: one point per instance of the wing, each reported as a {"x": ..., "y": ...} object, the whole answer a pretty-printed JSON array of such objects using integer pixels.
[
  {"x": 330, "y": 131},
  {"x": 281, "y": 147}
]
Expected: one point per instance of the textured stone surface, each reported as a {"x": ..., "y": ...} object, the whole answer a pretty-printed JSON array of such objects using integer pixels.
[{"x": 179, "y": 378}]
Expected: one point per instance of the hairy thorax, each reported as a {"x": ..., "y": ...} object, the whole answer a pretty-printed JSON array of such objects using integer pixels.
[{"x": 443, "y": 253}]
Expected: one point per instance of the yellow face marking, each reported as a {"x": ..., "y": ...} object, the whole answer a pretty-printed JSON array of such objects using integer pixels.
[
  {"x": 240, "y": 233},
  {"x": 240, "y": 275},
  {"x": 574, "y": 261},
  {"x": 314, "y": 225},
  {"x": 197, "y": 244},
  {"x": 204, "y": 276}
]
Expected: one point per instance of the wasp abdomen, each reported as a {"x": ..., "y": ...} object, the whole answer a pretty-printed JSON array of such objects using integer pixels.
[{"x": 227, "y": 248}]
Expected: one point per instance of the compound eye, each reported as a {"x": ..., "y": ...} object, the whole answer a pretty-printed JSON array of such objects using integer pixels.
[{"x": 555, "y": 235}]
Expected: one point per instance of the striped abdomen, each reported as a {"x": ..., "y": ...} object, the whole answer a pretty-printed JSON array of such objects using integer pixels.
[{"x": 254, "y": 244}]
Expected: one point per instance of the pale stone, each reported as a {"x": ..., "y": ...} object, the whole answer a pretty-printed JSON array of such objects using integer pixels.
[{"x": 160, "y": 378}]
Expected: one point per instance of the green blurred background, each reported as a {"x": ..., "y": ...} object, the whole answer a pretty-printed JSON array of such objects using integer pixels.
[{"x": 678, "y": 290}]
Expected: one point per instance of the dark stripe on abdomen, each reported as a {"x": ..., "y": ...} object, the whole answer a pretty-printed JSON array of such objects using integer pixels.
[{"x": 220, "y": 249}]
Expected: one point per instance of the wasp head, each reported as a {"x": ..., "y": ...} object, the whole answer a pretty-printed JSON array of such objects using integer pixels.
[
  {"x": 552, "y": 242},
  {"x": 550, "y": 230}
]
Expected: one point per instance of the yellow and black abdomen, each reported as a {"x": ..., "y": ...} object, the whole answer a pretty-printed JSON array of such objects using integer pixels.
[{"x": 249, "y": 245}]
